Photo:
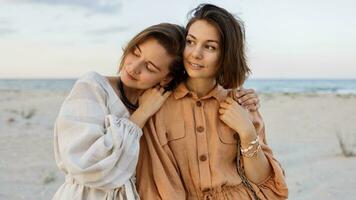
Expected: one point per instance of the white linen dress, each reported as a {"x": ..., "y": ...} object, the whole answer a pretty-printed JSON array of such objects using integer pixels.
[{"x": 96, "y": 146}]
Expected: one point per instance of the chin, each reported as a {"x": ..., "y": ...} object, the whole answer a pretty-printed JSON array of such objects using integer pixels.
[
  {"x": 125, "y": 80},
  {"x": 195, "y": 74},
  {"x": 129, "y": 83}
]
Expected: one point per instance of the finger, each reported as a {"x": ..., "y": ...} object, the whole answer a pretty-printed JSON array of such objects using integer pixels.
[
  {"x": 240, "y": 93},
  {"x": 252, "y": 108},
  {"x": 243, "y": 92},
  {"x": 249, "y": 91},
  {"x": 251, "y": 101},
  {"x": 258, "y": 105},
  {"x": 224, "y": 105},
  {"x": 167, "y": 94},
  {"x": 249, "y": 105},
  {"x": 156, "y": 88},
  {"x": 221, "y": 111},
  {"x": 221, "y": 117},
  {"x": 229, "y": 100},
  {"x": 247, "y": 97},
  {"x": 161, "y": 90}
]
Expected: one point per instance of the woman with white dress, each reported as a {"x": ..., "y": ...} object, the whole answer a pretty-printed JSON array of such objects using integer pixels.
[{"x": 97, "y": 132}]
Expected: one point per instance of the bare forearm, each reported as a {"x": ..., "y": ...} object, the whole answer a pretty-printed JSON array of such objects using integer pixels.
[
  {"x": 139, "y": 117},
  {"x": 257, "y": 167}
]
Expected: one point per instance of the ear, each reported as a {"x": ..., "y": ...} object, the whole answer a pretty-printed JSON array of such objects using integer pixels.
[{"x": 166, "y": 80}]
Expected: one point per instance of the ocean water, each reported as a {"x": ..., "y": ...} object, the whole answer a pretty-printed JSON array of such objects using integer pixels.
[
  {"x": 303, "y": 86},
  {"x": 261, "y": 85},
  {"x": 37, "y": 84}
]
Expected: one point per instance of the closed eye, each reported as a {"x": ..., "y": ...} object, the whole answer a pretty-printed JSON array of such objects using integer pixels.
[{"x": 150, "y": 68}]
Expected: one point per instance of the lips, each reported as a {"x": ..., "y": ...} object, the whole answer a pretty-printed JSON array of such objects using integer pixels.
[
  {"x": 130, "y": 76},
  {"x": 195, "y": 66}
]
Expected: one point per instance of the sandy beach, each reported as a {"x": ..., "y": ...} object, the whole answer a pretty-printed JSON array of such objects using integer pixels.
[{"x": 302, "y": 129}]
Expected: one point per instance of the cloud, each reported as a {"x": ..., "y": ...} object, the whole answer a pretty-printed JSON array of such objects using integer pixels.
[
  {"x": 110, "y": 30},
  {"x": 96, "y": 6}
]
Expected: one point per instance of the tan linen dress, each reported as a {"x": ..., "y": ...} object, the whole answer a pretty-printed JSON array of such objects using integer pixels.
[
  {"x": 96, "y": 146},
  {"x": 187, "y": 152}
]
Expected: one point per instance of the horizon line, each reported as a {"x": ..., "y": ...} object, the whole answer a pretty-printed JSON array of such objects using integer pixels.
[{"x": 257, "y": 78}]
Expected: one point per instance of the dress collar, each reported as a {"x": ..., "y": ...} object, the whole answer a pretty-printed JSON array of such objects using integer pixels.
[{"x": 218, "y": 92}]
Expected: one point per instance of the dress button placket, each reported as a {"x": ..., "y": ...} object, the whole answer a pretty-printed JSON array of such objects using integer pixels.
[{"x": 202, "y": 145}]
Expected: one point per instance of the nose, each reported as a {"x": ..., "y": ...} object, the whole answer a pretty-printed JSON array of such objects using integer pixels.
[
  {"x": 136, "y": 66},
  {"x": 197, "y": 52}
]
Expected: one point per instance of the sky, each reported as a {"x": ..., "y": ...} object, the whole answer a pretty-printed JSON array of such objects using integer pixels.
[{"x": 66, "y": 38}]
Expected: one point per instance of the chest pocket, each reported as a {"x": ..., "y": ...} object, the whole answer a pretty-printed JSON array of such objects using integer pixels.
[
  {"x": 226, "y": 134},
  {"x": 174, "y": 130}
]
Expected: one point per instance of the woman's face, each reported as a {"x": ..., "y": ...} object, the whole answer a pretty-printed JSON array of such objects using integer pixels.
[
  {"x": 146, "y": 66},
  {"x": 202, "y": 50}
]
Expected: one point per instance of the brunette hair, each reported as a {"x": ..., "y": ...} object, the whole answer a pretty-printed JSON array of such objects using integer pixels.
[
  {"x": 234, "y": 70},
  {"x": 172, "y": 38}
]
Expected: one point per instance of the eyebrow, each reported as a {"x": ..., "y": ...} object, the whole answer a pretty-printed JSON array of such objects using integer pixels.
[
  {"x": 207, "y": 40},
  {"x": 155, "y": 66}
]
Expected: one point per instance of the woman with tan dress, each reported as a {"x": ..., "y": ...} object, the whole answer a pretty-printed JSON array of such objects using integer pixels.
[{"x": 218, "y": 150}]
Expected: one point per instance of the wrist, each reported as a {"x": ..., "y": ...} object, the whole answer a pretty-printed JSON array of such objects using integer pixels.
[
  {"x": 144, "y": 112},
  {"x": 139, "y": 117},
  {"x": 247, "y": 138}
]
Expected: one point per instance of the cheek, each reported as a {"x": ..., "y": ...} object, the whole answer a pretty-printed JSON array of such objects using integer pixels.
[
  {"x": 215, "y": 59},
  {"x": 130, "y": 58},
  {"x": 214, "y": 62},
  {"x": 186, "y": 53},
  {"x": 149, "y": 79},
  {"x": 127, "y": 61}
]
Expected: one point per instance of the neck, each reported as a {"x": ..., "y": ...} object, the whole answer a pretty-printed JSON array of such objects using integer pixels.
[
  {"x": 132, "y": 94},
  {"x": 200, "y": 86}
]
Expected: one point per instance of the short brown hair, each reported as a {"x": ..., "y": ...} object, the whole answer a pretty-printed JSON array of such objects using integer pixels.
[
  {"x": 234, "y": 70},
  {"x": 172, "y": 38}
]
